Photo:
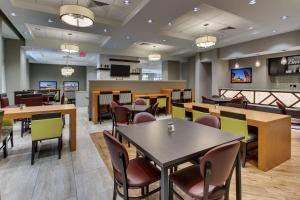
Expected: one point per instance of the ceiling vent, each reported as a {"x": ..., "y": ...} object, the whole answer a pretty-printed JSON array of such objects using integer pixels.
[{"x": 228, "y": 28}]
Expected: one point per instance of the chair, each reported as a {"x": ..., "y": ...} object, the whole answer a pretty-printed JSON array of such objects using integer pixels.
[
  {"x": 153, "y": 109},
  {"x": 207, "y": 100},
  {"x": 211, "y": 179},
  {"x": 104, "y": 101},
  {"x": 125, "y": 97},
  {"x": 199, "y": 112},
  {"x": 162, "y": 104},
  {"x": 146, "y": 99},
  {"x": 45, "y": 127},
  {"x": 178, "y": 111},
  {"x": 63, "y": 100},
  {"x": 236, "y": 123},
  {"x": 187, "y": 95},
  {"x": 6, "y": 133},
  {"x": 176, "y": 96},
  {"x": 56, "y": 97},
  {"x": 113, "y": 105},
  {"x": 209, "y": 120},
  {"x": 4, "y": 102},
  {"x": 122, "y": 117},
  {"x": 137, "y": 173},
  {"x": 143, "y": 117},
  {"x": 283, "y": 110},
  {"x": 140, "y": 101},
  {"x": 32, "y": 99}
]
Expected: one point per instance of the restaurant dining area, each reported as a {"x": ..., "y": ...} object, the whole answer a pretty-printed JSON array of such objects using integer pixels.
[{"x": 155, "y": 100}]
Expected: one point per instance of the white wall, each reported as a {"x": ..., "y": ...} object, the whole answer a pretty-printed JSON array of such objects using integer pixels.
[
  {"x": 24, "y": 71},
  {"x": 91, "y": 74},
  {"x": 2, "y": 67}
]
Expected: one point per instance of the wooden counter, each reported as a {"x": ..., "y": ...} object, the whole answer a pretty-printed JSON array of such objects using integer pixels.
[{"x": 274, "y": 133}]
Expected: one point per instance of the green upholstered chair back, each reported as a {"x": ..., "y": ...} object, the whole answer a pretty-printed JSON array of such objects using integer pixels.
[
  {"x": 199, "y": 112},
  {"x": 46, "y": 126},
  {"x": 178, "y": 111},
  {"x": 5, "y": 122},
  {"x": 162, "y": 101},
  {"x": 234, "y": 123},
  {"x": 56, "y": 96}
]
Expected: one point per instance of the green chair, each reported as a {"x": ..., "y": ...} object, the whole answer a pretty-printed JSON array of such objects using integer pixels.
[
  {"x": 178, "y": 111},
  {"x": 6, "y": 133},
  {"x": 236, "y": 123},
  {"x": 162, "y": 104},
  {"x": 199, "y": 112},
  {"x": 45, "y": 127},
  {"x": 56, "y": 97}
]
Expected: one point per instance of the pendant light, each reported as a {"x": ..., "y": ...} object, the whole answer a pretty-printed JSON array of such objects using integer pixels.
[
  {"x": 77, "y": 15},
  {"x": 154, "y": 56},
  {"x": 257, "y": 62},
  {"x": 69, "y": 47},
  {"x": 283, "y": 61},
  {"x": 237, "y": 65},
  {"x": 206, "y": 40},
  {"x": 67, "y": 71}
]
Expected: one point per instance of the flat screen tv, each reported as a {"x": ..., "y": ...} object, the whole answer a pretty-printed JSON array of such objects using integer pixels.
[
  {"x": 120, "y": 70},
  {"x": 242, "y": 75},
  {"x": 48, "y": 85},
  {"x": 71, "y": 85}
]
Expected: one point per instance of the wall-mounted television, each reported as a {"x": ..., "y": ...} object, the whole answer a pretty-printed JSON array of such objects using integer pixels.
[
  {"x": 48, "y": 85},
  {"x": 71, "y": 85},
  {"x": 241, "y": 75},
  {"x": 120, "y": 70}
]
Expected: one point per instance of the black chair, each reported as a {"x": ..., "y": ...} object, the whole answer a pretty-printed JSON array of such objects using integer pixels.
[{"x": 105, "y": 98}]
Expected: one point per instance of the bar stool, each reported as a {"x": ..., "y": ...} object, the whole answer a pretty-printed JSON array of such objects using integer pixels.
[
  {"x": 105, "y": 98},
  {"x": 187, "y": 95},
  {"x": 176, "y": 96}
]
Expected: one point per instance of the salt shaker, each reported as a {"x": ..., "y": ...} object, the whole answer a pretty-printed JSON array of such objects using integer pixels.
[{"x": 171, "y": 127}]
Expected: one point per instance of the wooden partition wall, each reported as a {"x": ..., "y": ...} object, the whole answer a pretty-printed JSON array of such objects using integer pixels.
[{"x": 136, "y": 87}]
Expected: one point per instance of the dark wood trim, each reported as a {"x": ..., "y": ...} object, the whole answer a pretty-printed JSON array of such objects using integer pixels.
[
  {"x": 10, "y": 24},
  {"x": 124, "y": 60}
]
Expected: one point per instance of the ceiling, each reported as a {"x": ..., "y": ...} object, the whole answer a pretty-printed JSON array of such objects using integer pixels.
[
  {"x": 120, "y": 28},
  {"x": 7, "y": 32}
]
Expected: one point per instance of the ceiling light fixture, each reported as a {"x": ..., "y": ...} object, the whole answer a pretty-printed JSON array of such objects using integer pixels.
[
  {"x": 76, "y": 15},
  {"x": 252, "y": 2},
  {"x": 164, "y": 40},
  {"x": 50, "y": 20},
  {"x": 149, "y": 21},
  {"x": 69, "y": 48},
  {"x": 170, "y": 24},
  {"x": 284, "y": 17},
  {"x": 274, "y": 31},
  {"x": 154, "y": 57},
  {"x": 237, "y": 65},
  {"x": 126, "y": 2},
  {"x": 283, "y": 61},
  {"x": 127, "y": 37},
  {"x": 67, "y": 71},
  {"x": 257, "y": 62},
  {"x": 105, "y": 30},
  {"x": 206, "y": 40},
  {"x": 196, "y": 9},
  {"x": 250, "y": 27},
  {"x": 13, "y": 14}
]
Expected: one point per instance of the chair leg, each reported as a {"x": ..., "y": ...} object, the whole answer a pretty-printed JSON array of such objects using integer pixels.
[
  {"x": 12, "y": 138},
  {"x": 33, "y": 152},
  {"x": 36, "y": 146},
  {"x": 115, "y": 191},
  {"x": 244, "y": 154},
  {"x": 59, "y": 147},
  {"x": 22, "y": 128},
  {"x": 5, "y": 148},
  {"x": 170, "y": 190}
]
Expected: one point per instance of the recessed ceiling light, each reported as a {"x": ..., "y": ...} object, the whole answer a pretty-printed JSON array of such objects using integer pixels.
[
  {"x": 50, "y": 20},
  {"x": 127, "y": 37},
  {"x": 196, "y": 9},
  {"x": 164, "y": 40},
  {"x": 126, "y": 2},
  {"x": 13, "y": 14},
  {"x": 252, "y": 2},
  {"x": 274, "y": 31},
  {"x": 149, "y": 21},
  {"x": 250, "y": 27},
  {"x": 105, "y": 30},
  {"x": 284, "y": 17},
  {"x": 170, "y": 24}
]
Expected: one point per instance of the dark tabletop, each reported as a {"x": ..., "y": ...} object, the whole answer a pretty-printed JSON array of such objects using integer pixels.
[
  {"x": 188, "y": 141},
  {"x": 137, "y": 108}
]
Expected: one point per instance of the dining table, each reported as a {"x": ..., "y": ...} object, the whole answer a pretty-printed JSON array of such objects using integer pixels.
[{"x": 188, "y": 141}]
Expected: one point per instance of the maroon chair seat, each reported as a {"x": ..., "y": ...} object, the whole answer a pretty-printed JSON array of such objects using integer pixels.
[
  {"x": 140, "y": 173},
  {"x": 129, "y": 174},
  {"x": 209, "y": 120},
  {"x": 211, "y": 179},
  {"x": 140, "y": 102},
  {"x": 143, "y": 117}
]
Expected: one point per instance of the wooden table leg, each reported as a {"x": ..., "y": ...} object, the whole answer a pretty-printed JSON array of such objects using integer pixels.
[
  {"x": 274, "y": 143},
  {"x": 238, "y": 177},
  {"x": 72, "y": 131},
  {"x": 164, "y": 184}
]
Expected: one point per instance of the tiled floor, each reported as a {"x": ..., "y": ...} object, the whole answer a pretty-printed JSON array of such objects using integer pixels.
[{"x": 79, "y": 175}]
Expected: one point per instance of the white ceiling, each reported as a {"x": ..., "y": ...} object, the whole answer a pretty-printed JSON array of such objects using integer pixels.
[
  {"x": 128, "y": 26},
  {"x": 6, "y": 31}
]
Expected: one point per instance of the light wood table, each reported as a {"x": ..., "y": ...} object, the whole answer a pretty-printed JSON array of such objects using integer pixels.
[
  {"x": 274, "y": 133},
  {"x": 27, "y": 112}
]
